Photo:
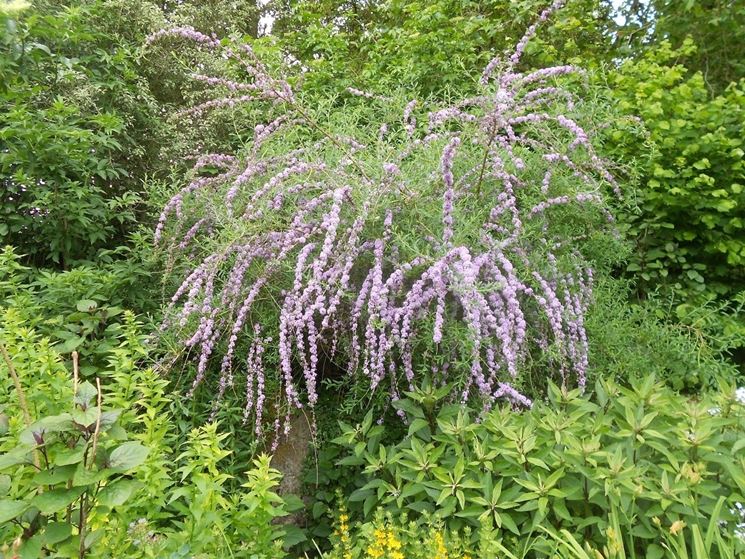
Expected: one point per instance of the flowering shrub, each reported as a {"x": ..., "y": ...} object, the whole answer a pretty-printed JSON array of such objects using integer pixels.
[{"x": 453, "y": 245}]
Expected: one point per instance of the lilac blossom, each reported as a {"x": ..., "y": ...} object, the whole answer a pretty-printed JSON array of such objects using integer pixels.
[{"x": 329, "y": 257}]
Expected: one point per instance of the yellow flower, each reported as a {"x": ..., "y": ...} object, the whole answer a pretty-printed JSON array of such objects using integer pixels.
[
  {"x": 441, "y": 551},
  {"x": 677, "y": 527},
  {"x": 392, "y": 541},
  {"x": 691, "y": 473},
  {"x": 342, "y": 532},
  {"x": 377, "y": 548}
]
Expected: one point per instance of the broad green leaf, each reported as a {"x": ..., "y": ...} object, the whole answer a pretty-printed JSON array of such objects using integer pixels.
[
  {"x": 19, "y": 455},
  {"x": 117, "y": 493},
  {"x": 31, "y": 548},
  {"x": 507, "y": 521},
  {"x": 293, "y": 535},
  {"x": 83, "y": 476},
  {"x": 86, "y": 305},
  {"x": 57, "y": 499},
  {"x": 10, "y": 509},
  {"x": 86, "y": 394},
  {"x": 369, "y": 504},
  {"x": 70, "y": 455},
  {"x": 127, "y": 456},
  {"x": 55, "y": 532},
  {"x": 55, "y": 475},
  {"x": 86, "y": 418},
  {"x": 92, "y": 537},
  {"x": 46, "y": 425},
  {"x": 417, "y": 425}
]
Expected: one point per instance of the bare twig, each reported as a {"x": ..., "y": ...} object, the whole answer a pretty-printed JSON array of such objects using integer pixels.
[
  {"x": 98, "y": 425},
  {"x": 75, "y": 374},
  {"x": 17, "y": 383},
  {"x": 21, "y": 396},
  {"x": 82, "y": 526}
]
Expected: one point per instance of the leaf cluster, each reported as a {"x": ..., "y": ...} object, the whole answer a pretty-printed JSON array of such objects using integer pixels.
[{"x": 644, "y": 454}]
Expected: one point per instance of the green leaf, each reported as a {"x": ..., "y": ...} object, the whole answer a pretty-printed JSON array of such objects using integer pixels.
[
  {"x": 127, "y": 456},
  {"x": 70, "y": 455},
  {"x": 409, "y": 407},
  {"x": 509, "y": 523},
  {"x": 10, "y": 509},
  {"x": 369, "y": 504},
  {"x": 57, "y": 499},
  {"x": 359, "y": 495},
  {"x": 5, "y": 483},
  {"x": 83, "y": 476},
  {"x": 319, "y": 509},
  {"x": 54, "y": 475},
  {"x": 31, "y": 548},
  {"x": 92, "y": 537},
  {"x": 417, "y": 425},
  {"x": 293, "y": 503},
  {"x": 109, "y": 418},
  {"x": 86, "y": 305},
  {"x": 56, "y": 532},
  {"x": 46, "y": 425},
  {"x": 86, "y": 394},
  {"x": 654, "y": 551},
  {"x": 117, "y": 493},
  {"x": 293, "y": 535},
  {"x": 86, "y": 418},
  {"x": 695, "y": 276},
  {"x": 19, "y": 455},
  {"x": 69, "y": 344},
  {"x": 470, "y": 512}
]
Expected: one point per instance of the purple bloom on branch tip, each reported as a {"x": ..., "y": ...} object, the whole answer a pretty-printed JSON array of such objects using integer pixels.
[{"x": 328, "y": 251}]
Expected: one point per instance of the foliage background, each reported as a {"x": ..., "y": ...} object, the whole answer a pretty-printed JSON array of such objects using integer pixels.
[{"x": 93, "y": 143}]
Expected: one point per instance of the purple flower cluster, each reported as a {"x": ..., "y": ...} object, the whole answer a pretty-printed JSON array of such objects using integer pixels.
[
  {"x": 319, "y": 254},
  {"x": 187, "y": 33}
]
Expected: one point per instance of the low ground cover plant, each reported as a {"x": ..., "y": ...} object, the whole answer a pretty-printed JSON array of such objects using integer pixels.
[{"x": 643, "y": 457}]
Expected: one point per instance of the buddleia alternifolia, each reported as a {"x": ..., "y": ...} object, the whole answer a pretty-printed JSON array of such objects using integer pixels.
[{"x": 426, "y": 238}]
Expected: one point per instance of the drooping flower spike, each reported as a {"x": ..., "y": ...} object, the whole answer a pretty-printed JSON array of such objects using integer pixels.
[{"x": 315, "y": 236}]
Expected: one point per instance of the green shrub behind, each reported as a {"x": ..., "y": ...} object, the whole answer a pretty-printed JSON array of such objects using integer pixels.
[{"x": 690, "y": 222}]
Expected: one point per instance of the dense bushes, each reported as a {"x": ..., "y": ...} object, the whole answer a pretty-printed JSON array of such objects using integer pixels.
[
  {"x": 76, "y": 120},
  {"x": 641, "y": 463},
  {"x": 685, "y": 150},
  {"x": 113, "y": 454},
  {"x": 469, "y": 244},
  {"x": 77, "y": 310},
  {"x": 432, "y": 48},
  {"x": 690, "y": 226},
  {"x": 630, "y": 339}
]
